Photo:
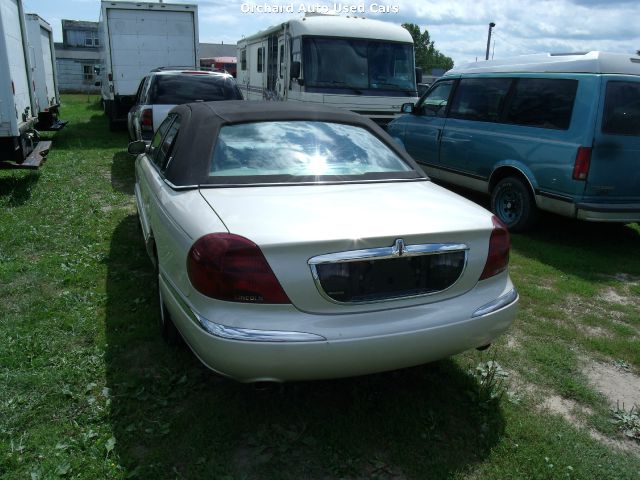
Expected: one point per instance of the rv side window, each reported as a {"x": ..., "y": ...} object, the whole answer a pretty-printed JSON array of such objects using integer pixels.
[
  {"x": 542, "y": 102},
  {"x": 260, "y": 58},
  {"x": 281, "y": 59},
  {"x": 243, "y": 59},
  {"x": 480, "y": 99},
  {"x": 622, "y": 109}
]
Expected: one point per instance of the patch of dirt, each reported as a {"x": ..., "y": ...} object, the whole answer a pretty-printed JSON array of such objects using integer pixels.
[
  {"x": 570, "y": 410},
  {"x": 612, "y": 296},
  {"x": 595, "y": 332},
  {"x": 512, "y": 342},
  {"x": 618, "y": 386}
]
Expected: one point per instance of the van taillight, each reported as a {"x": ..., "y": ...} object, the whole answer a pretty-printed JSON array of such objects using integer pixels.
[
  {"x": 498, "y": 256},
  {"x": 232, "y": 268},
  {"x": 146, "y": 120},
  {"x": 110, "y": 77},
  {"x": 583, "y": 160}
]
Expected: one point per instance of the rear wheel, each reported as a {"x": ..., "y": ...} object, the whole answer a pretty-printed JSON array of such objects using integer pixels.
[
  {"x": 513, "y": 204},
  {"x": 168, "y": 330}
]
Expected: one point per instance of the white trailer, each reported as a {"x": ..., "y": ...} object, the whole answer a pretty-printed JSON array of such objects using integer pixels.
[
  {"x": 20, "y": 146},
  {"x": 43, "y": 60},
  {"x": 138, "y": 37},
  {"x": 364, "y": 65}
]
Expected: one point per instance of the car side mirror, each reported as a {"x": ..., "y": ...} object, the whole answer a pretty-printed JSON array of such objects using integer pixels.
[
  {"x": 137, "y": 147},
  {"x": 407, "y": 108},
  {"x": 295, "y": 69}
]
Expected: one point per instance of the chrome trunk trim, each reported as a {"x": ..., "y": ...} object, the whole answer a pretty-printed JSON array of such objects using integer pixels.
[
  {"x": 397, "y": 250},
  {"x": 497, "y": 304}
]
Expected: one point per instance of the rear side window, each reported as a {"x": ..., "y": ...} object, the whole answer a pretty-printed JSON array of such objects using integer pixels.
[
  {"x": 179, "y": 89},
  {"x": 542, "y": 102},
  {"x": 156, "y": 141},
  {"x": 166, "y": 147},
  {"x": 480, "y": 99},
  {"x": 622, "y": 109}
]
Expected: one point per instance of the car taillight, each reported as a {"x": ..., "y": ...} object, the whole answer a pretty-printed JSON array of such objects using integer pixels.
[
  {"x": 146, "y": 120},
  {"x": 499, "y": 244},
  {"x": 583, "y": 160},
  {"x": 230, "y": 267}
]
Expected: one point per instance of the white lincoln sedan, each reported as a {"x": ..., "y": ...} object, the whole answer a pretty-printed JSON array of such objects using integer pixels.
[{"x": 296, "y": 243}]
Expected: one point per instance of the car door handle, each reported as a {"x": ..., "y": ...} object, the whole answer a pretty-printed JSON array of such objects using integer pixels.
[{"x": 439, "y": 134}]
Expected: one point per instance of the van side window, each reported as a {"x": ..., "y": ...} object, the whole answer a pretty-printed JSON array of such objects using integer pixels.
[
  {"x": 622, "y": 108},
  {"x": 480, "y": 99},
  {"x": 542, "y": 102},
  {"x": 435, "y": 103}
]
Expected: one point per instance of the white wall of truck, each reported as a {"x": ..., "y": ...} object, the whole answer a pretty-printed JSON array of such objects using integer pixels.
[
  {"x": 138, "y": 37},
  {"x": 42, "y": 59},
  {"x": 19, "y": 142}
]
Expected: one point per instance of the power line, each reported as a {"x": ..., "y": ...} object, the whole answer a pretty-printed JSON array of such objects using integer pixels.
[{"x": 514, "y": 44}]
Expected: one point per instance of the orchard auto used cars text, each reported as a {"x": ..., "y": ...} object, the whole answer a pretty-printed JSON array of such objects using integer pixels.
[{"x": 317, "y": 8}]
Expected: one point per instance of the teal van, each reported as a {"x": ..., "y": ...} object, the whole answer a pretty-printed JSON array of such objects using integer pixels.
[{"x": 552, "y": 132}]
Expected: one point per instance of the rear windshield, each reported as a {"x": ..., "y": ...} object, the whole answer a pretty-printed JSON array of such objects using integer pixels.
[
  {"x": 622, "y": 108},
  {"x": 302, "y": 151},
  {"x": 179, "y": 89}
]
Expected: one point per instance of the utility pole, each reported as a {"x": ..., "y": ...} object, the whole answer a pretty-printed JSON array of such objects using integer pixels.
[{"x": 491, "y": 25}]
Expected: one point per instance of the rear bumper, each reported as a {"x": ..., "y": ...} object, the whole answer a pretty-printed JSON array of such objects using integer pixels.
[
  {"x": 607, "y": 212},
  {"x": 251, "y": 355}
]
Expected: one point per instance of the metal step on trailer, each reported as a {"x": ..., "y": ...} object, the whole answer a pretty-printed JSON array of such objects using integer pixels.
[
  {"x": 34, "y": 160},
  {"x": 54, "y": 127}
]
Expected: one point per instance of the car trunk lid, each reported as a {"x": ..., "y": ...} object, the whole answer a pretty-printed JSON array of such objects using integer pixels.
[{"x": 319, "y": 238}]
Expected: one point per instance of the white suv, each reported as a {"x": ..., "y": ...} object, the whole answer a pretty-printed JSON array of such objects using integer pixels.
[{"x": 163, "y": 89}]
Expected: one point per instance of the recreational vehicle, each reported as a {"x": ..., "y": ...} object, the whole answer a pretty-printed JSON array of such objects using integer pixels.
[{"x": 359, "y": 64}]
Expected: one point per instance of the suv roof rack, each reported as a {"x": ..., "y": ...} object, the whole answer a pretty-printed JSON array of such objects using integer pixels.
[{"x": 176, "y": 67}]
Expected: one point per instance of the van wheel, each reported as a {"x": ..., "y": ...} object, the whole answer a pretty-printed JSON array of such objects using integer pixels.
[{"x": 513, "y": 204}]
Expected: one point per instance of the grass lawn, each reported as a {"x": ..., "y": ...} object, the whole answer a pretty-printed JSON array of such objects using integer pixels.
[{"x": 89, "y": 390}]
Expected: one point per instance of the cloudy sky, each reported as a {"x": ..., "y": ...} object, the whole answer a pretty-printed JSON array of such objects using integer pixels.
[{"x": 458, "y": 27}]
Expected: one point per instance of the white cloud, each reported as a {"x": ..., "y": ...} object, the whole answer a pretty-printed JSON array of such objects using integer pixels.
[{"x": 458, "y": 27}]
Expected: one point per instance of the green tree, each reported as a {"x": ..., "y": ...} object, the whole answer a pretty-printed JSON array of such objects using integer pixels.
[{"x": 427, "y": 56}]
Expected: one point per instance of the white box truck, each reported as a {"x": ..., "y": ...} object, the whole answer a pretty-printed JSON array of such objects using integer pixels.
[
  {"x": 364, "y": 65},
  {"x": 43, "y": 61},
  {"x": 20, "y": 146},
  {"x": 138, "y": 37}
]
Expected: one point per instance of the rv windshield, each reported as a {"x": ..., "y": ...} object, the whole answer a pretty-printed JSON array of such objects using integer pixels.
[{"x": 357, "y": 64}]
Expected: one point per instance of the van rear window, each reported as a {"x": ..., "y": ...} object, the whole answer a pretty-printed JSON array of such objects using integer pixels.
[{"x": 622, "y": 108}]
